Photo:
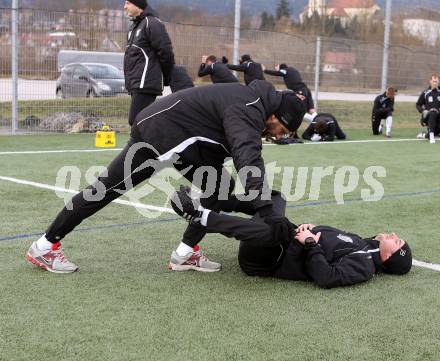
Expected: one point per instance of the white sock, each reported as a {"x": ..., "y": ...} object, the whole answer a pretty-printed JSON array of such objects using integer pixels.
[
  {"x": 389, "y": 123},
  {"x": 309, "y": 117},
  {"x": 183, "y": 249},
  {"x": 204, "y": 220},
  {"x": 43, "y": 244}
]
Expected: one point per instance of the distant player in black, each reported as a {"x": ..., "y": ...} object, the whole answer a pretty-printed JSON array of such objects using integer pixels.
[
  {"x": 324, "y": 128},
  {"x": 383, "y": 109},
  {"x": 274, "y": 247},
  {"x": 293, "y": 81},
  {"x": 217, "y": 70},
  {"x": 180, "y": 79},
  {"x": 428, "y": 105},
  {"x": 251, "y": 69},
  {"x": 190, "y": 130}
]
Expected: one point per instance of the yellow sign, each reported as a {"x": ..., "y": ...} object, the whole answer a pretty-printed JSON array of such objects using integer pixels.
[{"x": 105, "y": 138}]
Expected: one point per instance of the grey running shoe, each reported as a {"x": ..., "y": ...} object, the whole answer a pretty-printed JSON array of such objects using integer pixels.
[
  {"x": 52, "y": 260},
  {"x": 196, "y": 261}
]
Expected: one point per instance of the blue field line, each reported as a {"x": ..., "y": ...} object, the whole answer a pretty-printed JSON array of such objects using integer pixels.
[
  {"x": 88, "y": 229},
  {"x": 357, "y": 200},
  {"x": 165, "y": 220}
]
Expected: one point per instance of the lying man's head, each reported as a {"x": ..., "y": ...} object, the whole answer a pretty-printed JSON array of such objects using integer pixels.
[
  {"x": 395, "y": 254},
  {"x": 321, "y": 126}
]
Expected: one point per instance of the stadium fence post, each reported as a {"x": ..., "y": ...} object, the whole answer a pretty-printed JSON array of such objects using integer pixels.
[
  {"x": 317, "y": 70},
  {"x": 14, "y": 64},
  {"x": 386, "y": 45}
]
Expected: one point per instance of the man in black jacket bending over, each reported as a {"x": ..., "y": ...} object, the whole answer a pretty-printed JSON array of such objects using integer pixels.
[
  {"x": 187, "y": 130},
  {"x": 324, "y": 128},
  {"x": 252, "y": 70},
  {"x": 274, "y": 247},
  {"x": 383, "y": 109},
  {"x": 149, "y": 57},
  {"x": 218, "y": 71}
]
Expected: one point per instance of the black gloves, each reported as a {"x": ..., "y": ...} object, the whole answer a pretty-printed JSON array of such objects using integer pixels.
[{"x": 225, "y": 60}]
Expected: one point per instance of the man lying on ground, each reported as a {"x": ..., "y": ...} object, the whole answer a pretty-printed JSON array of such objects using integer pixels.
[{"x": 274, "y": 247}]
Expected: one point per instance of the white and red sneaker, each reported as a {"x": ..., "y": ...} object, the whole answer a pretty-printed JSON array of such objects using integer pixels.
[
  {"x": 52, "y": 260},
  {"x": 196, "y": 261}
]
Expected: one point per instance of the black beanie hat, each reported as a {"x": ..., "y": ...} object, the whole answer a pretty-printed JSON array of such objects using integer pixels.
[
  {"x": 291, "y": 111},
  {"x": 400, "y": 262},
  {"x": 283, "y": 66},
  {"x": 141, "y": 4}
]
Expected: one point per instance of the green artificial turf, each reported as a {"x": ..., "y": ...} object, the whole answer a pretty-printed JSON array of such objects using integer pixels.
[{"x": 125, "y": 305}]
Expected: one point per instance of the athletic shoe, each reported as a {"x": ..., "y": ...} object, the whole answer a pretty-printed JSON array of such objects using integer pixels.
[
  {"x": 52, "y": 260},
  {"x": 388, "y": 135},
  {"x": 186, "y": 206},
  {"x": 380, "y": 128},
  {"x": 431, "y": 138},
  {"x": 421, "y": 135},
  {"x": 196, "y": 261}
]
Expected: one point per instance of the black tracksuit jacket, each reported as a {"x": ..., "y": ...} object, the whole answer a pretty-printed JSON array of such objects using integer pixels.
[
  {"x": 383, "y": 107},
  {"x": 205, "y": 125},
  {"x": 180, "y": 79},
  {"x": 149, "y": 57},
  {"x": 429, "y": 99},
  {"x": 218, "y": 72},
  {"x": 292, "y": 78},
  {"x": 341, "y": 258},
  {"x": 252, "y": 71},
  {"x": 333, "y": 130}
]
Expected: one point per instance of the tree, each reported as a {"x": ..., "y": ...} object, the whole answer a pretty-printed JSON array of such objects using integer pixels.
[
  {"x": 267, "y": 21},
  {"x": 283, "y": 10}
]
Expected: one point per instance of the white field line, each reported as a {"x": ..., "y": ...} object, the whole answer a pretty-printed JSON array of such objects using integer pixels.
[
  {"x": 431, "y": 266},
  {"x": 60, "y": 189},
  {"x": 119, "y": 149},
  {"x": 62, "y": 151}
]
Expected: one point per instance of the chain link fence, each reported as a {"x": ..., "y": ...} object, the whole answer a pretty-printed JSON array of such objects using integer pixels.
[{"x": 346, "y": 66}]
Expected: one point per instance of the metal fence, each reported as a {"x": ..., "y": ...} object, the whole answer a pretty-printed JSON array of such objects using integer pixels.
[{"x": 345, "y": 65}]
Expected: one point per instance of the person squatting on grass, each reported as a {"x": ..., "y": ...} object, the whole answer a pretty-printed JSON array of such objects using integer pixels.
[
  {"x": 428, "y": 105},
  {"x": 149, "y": 57},
  {"x": 201, "y": 127},
  {"x": 274, "y": 247},
  {"x": 383, "y": 109},
  {"x": 324, "y": 128}
]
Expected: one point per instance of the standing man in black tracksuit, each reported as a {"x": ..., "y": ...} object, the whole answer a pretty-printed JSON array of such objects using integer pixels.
[
  {"x": 252, "y": 70},
  {"x": 218, "y": 71},
  {"x": 428, "y": 105},
  {"x": 193, "y": 128},
  {"x": 383, "y": 109},
  {"x": 324, "y": 128},
  {"x": 293, "y": 80},
  {"x": 180, "y": 79},
  {"x": 149, "y": 57},
  {"x": 274, "y": 247}
]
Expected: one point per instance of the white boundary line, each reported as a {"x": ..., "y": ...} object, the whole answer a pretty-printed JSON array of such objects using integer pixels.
[
  {"x": 431, "y": 266},
  {"x": 119, "y": 149},
  {"x": 62, "y": 151},
  {"x": 60, "y": 189}
]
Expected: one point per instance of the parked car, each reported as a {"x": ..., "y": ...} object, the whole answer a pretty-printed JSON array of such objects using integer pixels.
[{"x": 90, "y": 80}]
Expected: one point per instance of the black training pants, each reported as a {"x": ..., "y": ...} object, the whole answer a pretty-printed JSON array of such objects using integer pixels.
[
  {"x": 257, "y": 256},
  {"x": 117, "y": 181},
  {"x": 139, "y": 101}
]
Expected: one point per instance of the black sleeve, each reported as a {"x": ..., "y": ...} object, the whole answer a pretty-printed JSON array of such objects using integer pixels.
[
  {"x": 243, "y": 129},
  {"x": 376, "y": 105},
  {"x": 205, "y": 70},
  {"x": 241, "y": 68},
  {"x": 331, "y": 132},
  {"x": 161, "y": 43},
  {"x": 308, "y": 133},
  {"x": 348, "y": 270},
  {"x": 274, "y": 73},
  {"x": 420, "y": 105}
]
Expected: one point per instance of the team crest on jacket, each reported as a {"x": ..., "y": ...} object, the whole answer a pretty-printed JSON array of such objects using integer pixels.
[{"x": 345, "y": 238}]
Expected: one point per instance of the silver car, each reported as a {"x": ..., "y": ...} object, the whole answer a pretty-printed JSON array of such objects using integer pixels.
[{"x": 90, "y": 80}]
